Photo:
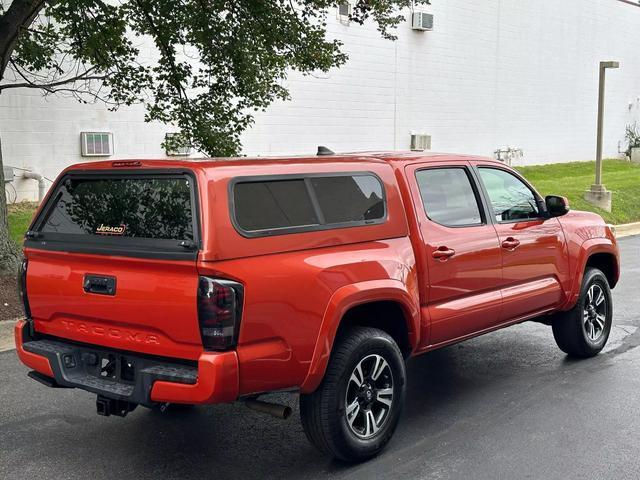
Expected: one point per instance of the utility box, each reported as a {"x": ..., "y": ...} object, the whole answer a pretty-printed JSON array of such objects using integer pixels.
[{"x": 9, "y": 174}]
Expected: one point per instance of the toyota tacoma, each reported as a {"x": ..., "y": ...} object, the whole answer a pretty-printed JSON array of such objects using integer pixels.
[{"x": 159, "y": 282}]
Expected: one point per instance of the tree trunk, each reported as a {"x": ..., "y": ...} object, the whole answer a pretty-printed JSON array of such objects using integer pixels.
[
  {"x": 9, "y": 254},
  {"x": 19, "y": 15}
]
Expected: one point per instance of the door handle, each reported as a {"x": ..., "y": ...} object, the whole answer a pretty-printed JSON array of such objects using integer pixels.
[
  {"x": 102, "y": 285},
  {"x": 510, "y": 243},
  {"x": 443, "y": 253}
]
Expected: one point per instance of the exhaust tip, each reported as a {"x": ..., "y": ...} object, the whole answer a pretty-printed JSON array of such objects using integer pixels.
[
  {"x": 286, "y": 413},
  {"x": 282, "y": 412}
]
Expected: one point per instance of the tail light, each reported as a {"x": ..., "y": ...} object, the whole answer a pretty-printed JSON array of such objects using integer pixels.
[
  {"x": 219, "y": 312},
  {"x": 22, "y": 281}
]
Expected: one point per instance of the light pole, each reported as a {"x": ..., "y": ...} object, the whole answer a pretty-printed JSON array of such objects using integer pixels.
[{"x": 598, "y": 195}]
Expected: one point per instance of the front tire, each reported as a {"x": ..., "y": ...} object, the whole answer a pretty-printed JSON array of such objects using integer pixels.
[
  {"x": 584, "y": 330},
  {"x": 355, "y": 411}
]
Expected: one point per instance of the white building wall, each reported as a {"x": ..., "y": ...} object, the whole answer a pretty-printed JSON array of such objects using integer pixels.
[
  {"x": 492, "y": 74},
  {"x": 43, "y": 135}
]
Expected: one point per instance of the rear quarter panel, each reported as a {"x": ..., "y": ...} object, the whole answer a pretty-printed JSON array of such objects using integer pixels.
[
  {"x": 286, "y": 301},
  {"x": 290, "y": 279}
]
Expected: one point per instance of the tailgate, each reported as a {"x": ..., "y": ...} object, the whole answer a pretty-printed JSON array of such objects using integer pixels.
[{"x": 112, "y": 262}]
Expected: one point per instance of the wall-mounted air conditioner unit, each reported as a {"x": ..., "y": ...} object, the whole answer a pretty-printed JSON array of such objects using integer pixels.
[
  {"x": 345, "y": 9},
  {"x": 96, "y": 144},
  {"x": 420, "y": 142},
  {"x": 176, "y": 150},
  {"x": 422, "y": 21}
]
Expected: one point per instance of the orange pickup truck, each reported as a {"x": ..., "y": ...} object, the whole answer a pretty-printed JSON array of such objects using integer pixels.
[{"x": 156, "y": 282}]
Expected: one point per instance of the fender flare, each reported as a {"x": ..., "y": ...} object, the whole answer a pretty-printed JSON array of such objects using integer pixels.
[
  {"x": 587, "y": 249},
  {"x": 347, "y": 297}
]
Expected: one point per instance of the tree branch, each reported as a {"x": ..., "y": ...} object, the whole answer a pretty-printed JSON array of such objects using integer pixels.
[
  {"x": 84, "y": 76},
  {"x": 166, "y": 49}
]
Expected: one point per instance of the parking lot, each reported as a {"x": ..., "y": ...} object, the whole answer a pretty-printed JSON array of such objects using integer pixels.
[{"x": 507, "y": 405}]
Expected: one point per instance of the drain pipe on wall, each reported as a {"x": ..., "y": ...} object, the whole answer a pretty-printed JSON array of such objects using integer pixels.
[{"x": 42, "y": 186}]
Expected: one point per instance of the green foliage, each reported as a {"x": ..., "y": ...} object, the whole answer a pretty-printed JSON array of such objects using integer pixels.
[
  {"x": 573, "y": 179},
  {"x": 632, "y": 135},
  {"x": 216, "y": 63}
]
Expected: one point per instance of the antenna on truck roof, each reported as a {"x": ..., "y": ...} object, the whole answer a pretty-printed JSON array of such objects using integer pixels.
[{"x": 322, "y": 150}]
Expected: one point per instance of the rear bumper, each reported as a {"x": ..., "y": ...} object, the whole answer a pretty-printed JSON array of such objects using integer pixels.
[{"x": 136, "y": 378}]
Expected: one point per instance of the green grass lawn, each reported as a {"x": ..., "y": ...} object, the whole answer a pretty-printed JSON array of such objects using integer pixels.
[
  {"x": 572, "y": 179},
  {"x": 20, "y": 215}
]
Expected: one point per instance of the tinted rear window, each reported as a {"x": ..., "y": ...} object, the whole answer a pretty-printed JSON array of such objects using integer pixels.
[
  {"x": 349, "y": 199},
  {"x": 280, "y": 204},
  {"x": 268, "y": 206},
  {"x": 157, "y": 208}
]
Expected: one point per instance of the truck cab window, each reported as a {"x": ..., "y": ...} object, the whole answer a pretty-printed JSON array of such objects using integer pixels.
[
  {"x": 448, "y": 197},
  {"x": 510, "y": 198}
]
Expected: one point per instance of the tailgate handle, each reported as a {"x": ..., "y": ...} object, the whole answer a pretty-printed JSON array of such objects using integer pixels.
[{"x": 102, "y": 285}]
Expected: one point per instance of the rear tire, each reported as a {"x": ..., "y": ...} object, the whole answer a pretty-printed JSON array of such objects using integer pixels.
[
  {"x": 355, "y": 410},
  {"x": 584, "y": 330}
]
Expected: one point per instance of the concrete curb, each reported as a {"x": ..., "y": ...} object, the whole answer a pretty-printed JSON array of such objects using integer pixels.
[{"x": 627, "y": 229}]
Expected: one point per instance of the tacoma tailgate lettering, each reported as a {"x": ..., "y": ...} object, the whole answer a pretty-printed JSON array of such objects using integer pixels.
[{"x": 119, "y": 333}]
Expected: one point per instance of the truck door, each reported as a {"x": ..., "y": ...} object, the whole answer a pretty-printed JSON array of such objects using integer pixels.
[
  {"x": 534, "y": 259},
  {"x": 460, "y": 250}
]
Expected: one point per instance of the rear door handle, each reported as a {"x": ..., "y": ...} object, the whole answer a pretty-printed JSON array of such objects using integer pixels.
[
  {"x": 510, "y": 243},
  {"x": 443, "y": 253}
]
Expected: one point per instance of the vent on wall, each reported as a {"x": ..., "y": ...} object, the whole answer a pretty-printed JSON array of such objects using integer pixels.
[
  {"x": 422, "y": 21},
  {"x": 175, "y": 146},
  {"x": 420, "y": 142},
  {"x": 96, "y": 144}
]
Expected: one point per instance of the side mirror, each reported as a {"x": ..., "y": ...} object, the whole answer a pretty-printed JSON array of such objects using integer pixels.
[{"x": 556, "y": 205}]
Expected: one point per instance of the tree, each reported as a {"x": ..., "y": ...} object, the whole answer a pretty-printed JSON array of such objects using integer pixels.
[{"x": 216, "y": 62}]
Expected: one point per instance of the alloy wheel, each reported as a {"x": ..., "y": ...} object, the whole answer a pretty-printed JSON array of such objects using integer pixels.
[
  {"x": 369, "y": 396},
  {"x": 594, "y": 314}
]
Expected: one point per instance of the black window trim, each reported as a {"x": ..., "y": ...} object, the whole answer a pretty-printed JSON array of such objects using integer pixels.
[
  {"x": 306, "y": 177},
  {"x": 166, "y": 249},
  {"x": 542, "y": 211},
  {"x": 482, "y": 208}
]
